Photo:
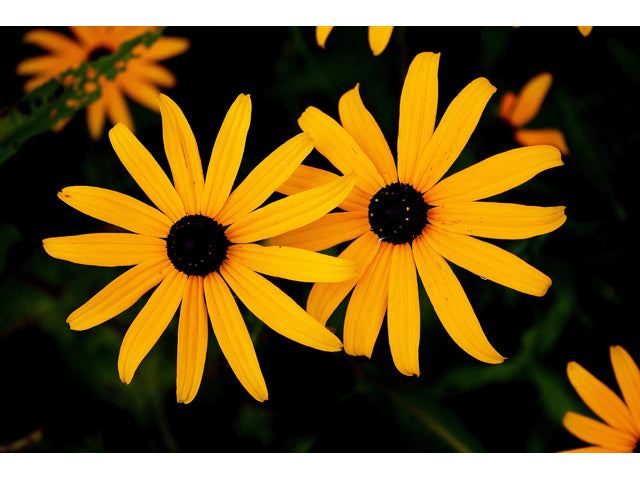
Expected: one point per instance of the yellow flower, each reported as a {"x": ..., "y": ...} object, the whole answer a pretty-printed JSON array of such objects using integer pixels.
[
  {"x": 518, "y": 110},
  {"x": 141, "y": 80},
  {"x": 378, "y": 37},
  {"x": 198, "y": 244},
  {"x": 621, "y": 430},
  {"x": 404, "y": 218}
]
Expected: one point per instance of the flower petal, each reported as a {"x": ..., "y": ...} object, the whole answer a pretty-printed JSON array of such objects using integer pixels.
[
  {"x": 601, "y": 399},
  {"x": 233, "y": 336},
  {"x": 530, "y": 99},
  {"x": 368, "y": 304},
  {"x": 226, "y": 156},
  {"x": 150, "y": 323},
  {"x": 628, "y": 378},
  {"x": 192, "y": 341},
  {"x": 54, "y": 41},
  {"x": 589, "y": 450},
  {"x": 153, "y": 73},
  {"x": 44, "y": 65},
  {"x": 488, "y": 261},
  {"x": 183, "y": 155},
  {"x": 327, "y": 231},
  {"x": 542, "y": 136},
  {"x": 451, "y": 303},
  {"x": 143, "y": 92},
  {"x": 507, "y": 102},
  {"x": 263, "y": 180},
  {"x": 361, "y": 125},
  {"x": 291, "y": 212},
  {"x": 106, "y": 249},
  {"x": 379, "y": 38},
  {"x": 585, "y": 30},
  {"x": 597, "y": 433},
  {"x": 277, "y": 310},
  {"x": 116, "y": 106},
  {"x": 324, "y": 298},
  {"x": 117, "y": 209},
  {"x": 494, "y": 175},
  {"x": 120, "y": 294},
  {"x": 304, "y": 178},
  {"x": 96, "y": 112},
  {"x": 418, "y": 105},
  {"x": 340, "y": 148},
  {"x": 166, "y": 47},
  {"x": 321, "y": 35},
  {"x": 455, "y": 127},
  {"x": 496, "y": 220},
  {"x": 403, "y": 315},
  {"x": 146, "y": 172}
]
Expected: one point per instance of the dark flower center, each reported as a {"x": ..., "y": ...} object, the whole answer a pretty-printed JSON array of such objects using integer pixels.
[
  {"x": 99, "y": 52},
  {"x": 397, "y": 213},
  {"x": 197, "y": 245}
]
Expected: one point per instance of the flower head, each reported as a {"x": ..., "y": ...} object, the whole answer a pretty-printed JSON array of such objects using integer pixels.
[
  {"x": 198, "y": 246},
  {"x": 404, "y": 218},
  {"x": 141, "y": 80},
  {"x": 620, "y": 431},
  {"x": 518, "y": 110},
  {"x": 378, "y": 37}
]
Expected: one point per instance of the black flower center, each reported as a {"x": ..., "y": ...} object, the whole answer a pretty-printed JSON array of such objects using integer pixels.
[
  {"x": 99, "y": 52},
  {"x": 197, "y": 245},
  {"x": 397, "y": 213}
]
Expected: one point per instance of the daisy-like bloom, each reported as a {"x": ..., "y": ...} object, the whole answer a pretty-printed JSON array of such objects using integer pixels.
[
  {"x": 141, "y": 80},
  {"x": 198, "y": 246},
  {"x": 620, "y": 431},
  {"x": 406, "y": 218},
  {"x": 378, "y": 37},
  {"x": 518, "y": 110}
]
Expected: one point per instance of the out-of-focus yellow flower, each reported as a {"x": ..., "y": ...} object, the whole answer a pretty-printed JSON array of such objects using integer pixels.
[
  {"x": 378, "y": 37},
  {"x": 518, "y": 110},
  {"x": 141, "y": 80},
  {"x": 585, "y": 30},
  {"x": 620, "y": 431}
]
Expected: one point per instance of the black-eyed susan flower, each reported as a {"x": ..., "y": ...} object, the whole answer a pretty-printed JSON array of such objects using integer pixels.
[
  {"x": 198, "y": 246},
  {"x": 141, "y": 80},
  {"x": 378, "y": 37},
  {"x": 404, "y": 218},
  {"x": 518, "y": 110},
  {"x": 620, "y": 431}
]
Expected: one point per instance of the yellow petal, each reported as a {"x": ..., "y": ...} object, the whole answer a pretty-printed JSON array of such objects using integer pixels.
[
  {"x": 291, "y": 212},
  {"x": 277, "y": 310},
  {"x": 496, "y": 220},
  {"x": 455, "y": 127},
  {"x": 45, "y": 65},
  {"x": 233, "y": 336},
  {"x": 117, "y": 209},
  {"x": 263, "y": 180},
  {"x": 585, "y": 30},
  {"x": 183, "y": 155},
  {"x": 321, "y": 35},
  {"x": 403, "y": 315},
  {"x": 120, "y": 294},
  {"x": 116, "y": 105},
  {"x": 327, "y": 231},
  {"x": 379, "y": 38},
  {"x": 226, "y": 156},
  {"x": 601, "y": 399},
  {"x": 628, "y": 378},
  {"x": 340, "y": 148},
  {"x": 146, "y": 172},
  {"x": 451, "y": 303},
  {"x": 530, "y": 99},
  {"x": 589, "y": 450},
  {"x": 368, "y": 304},
  {"x": 192, "y": 341},
  {"x": 542, "y": 136},
  {"x": 324, "y": 298},
  {"x": 361, "y": 125},
  {"x": 418, "y": 105},
  {"x": 292, "y": 263},
  {"x": 597, "y": 433},
  {"x": 166, "y": 47},
  {"x": 494, "y": 175},
  {"x": 54, "y": 42},
  {"x": 106, "y": 249},
  {"x": 143, "y": 92},
  {"x": 488, "y": 261},
  {"x": 96, "y": 113},
  {"x": 304, "y": 178},
  {"x": 152, "y": 73},
  {"x": 150, "y": 323},
  {"x": 88, "y": 35}
]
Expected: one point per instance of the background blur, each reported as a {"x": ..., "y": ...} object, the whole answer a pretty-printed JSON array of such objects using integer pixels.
[{"x": 60, "y": 391}]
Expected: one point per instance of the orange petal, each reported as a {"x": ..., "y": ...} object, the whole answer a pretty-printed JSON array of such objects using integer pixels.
[
  {"x": 597, "y": 433},
  {"x": 542, "y": 136},
  {"x": 628, "y": 378},
  {"x": 379, "y": 38},
  {"x": 530, "y": 99},
  {"x": 321, "y": 35}
]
